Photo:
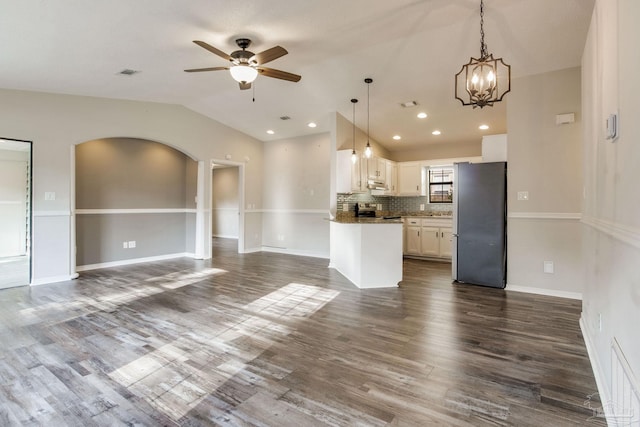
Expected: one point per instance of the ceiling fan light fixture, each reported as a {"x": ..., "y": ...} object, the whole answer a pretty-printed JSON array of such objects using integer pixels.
[
  {"x": 485, "y": 80},
  {"x": 243, "y": 73}
]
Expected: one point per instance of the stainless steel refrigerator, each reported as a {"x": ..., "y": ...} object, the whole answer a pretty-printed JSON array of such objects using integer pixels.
[{"x": 479, "y": 224}]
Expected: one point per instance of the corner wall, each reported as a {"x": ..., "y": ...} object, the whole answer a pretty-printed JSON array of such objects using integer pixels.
[
  {"x": 296, "y": 195},
  {"x": 544, "y": 160},
  {"x": 611, "y": 230}
]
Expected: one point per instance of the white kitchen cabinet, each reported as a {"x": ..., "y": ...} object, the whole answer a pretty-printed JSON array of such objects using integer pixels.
[
  {"x": 376, "y": 169},
  {"x": 409, "y": 179},
  {"x": 430, "y": 241},
  {"x": 349, "y": 177},
  {"x": 428, "y": 237},
  {"x": 412, "y": 228},
  {"x": 391, "y": 178},
  {"x": 446, "y": 237}
]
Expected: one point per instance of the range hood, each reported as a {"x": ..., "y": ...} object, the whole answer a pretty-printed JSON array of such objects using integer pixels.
[{"x": 378, "y": 188}]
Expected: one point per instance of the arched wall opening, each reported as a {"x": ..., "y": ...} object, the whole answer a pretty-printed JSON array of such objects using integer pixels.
[{"x": 135, "y": 201}]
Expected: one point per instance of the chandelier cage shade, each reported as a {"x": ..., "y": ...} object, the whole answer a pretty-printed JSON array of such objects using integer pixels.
[
  {"x": 243, "y": 73},
  {"x": 485, "y": 80}
]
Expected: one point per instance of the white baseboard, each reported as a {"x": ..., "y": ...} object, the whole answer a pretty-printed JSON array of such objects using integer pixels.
[
  {"x": 596, "y": 367},
  {"x": 52, "y": 279},
  {"x": 543, "y": 291},
  {"x": 132, "y": 261},
  {"x": 225, "y": 236},
  {"x": 295, "y": 252}
]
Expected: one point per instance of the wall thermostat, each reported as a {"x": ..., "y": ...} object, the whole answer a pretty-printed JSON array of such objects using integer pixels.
[{"x": 612, "y": 127}]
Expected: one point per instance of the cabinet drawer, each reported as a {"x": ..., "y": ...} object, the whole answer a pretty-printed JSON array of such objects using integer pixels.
[{"x": 413, "y": 221}]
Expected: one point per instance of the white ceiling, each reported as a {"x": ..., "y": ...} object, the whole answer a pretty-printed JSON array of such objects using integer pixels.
[{"x": 411, "y": 48}]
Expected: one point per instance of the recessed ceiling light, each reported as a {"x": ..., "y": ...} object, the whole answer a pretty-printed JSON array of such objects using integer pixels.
[
  {"x": 436, "y": 132},
  {"x": 311, "y": 124},
  {"x": 397, "y": 137},
  {"x": 483, "y": 127},
  {"x": 422, "y": 115},
  {"x": 270, "y": 132}
]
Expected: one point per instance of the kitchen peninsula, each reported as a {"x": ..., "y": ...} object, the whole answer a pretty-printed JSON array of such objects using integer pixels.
[{"x": 367, "y": 251}]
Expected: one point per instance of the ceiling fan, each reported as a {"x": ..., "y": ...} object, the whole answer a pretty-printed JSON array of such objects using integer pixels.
[{"x": 246, "y": 65}]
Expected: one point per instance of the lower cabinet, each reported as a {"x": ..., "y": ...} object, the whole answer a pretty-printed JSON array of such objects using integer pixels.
[{"x": 428, "y": 237}]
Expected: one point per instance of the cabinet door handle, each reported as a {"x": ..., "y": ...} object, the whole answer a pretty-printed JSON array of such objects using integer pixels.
[{"x": 417, "y": 187}]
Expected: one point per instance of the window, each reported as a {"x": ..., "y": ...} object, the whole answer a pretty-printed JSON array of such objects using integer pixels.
[{"x": 441, "y": 184}]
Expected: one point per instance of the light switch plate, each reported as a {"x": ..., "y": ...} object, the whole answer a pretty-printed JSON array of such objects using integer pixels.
[
  {"x": 523, "y": 195},
  {"x": 548, "y": 267}
]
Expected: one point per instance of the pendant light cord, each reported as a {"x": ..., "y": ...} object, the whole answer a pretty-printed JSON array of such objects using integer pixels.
[
  {"x": 368, "y": 85},
  {"x": 353, "y": 101}
]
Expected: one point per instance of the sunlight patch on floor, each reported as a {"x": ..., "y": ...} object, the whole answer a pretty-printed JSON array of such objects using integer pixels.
[{"x": 168, "y": 383}]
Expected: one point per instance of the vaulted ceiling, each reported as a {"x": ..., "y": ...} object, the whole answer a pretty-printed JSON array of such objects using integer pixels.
[{"x": 411, "y": 48}]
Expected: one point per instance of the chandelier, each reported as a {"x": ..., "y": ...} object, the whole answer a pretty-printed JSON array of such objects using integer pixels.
[{"x": 485, "y": 80}]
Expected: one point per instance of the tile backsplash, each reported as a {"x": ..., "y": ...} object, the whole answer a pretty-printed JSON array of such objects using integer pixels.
[{"x": 393, "y": 204}]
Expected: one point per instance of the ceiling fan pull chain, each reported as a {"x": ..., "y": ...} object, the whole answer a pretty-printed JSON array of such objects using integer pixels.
[{"x": 253, "y": 88}]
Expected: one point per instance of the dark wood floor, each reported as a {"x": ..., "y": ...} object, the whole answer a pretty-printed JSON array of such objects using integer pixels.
[{"x": 274, "y": 340}]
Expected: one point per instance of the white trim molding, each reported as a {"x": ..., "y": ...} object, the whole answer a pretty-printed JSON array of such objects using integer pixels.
[
  {"x": 51, "y": 213},
  {"x": 295, "y": 252},
  {"x": 131, "y": 211},
  {"x": 545, "y": 215},
  {"x": 543, "y": 291},
  {"x": 596, "y": 366},
  {"x": 623, "y": 233},
  {"x": 52, "y": 279},
  {"x": 293, "y": 211},
  {"x": 133, "y": 261}
]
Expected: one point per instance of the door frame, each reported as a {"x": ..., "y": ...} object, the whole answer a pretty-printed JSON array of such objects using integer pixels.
[{"x": 241, "y": 198}]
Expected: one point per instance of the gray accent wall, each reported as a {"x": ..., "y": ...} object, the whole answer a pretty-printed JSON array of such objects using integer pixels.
[{"x": 126, "y": 174}]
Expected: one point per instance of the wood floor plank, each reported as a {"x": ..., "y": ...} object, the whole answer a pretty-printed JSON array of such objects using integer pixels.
[{"x": 268, "y": 339}]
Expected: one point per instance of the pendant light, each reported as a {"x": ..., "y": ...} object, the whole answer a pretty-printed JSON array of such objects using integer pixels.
[
  {"x": 485, "y": 80},
  {"x": 354, "y": 155},
  {"x": 367, "y": 150}
]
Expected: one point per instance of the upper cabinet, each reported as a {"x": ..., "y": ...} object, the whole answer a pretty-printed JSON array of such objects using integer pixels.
[
  {"x": 409, "y": 179},
  {"x": 351, "y": 177},
  {"x": 391, "y": 177},
  {"x": 376, "y": 169}
]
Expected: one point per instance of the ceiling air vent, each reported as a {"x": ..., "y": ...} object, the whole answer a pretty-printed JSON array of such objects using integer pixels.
[
  {"x": 409, "y": 104},
  {"x": 285, "y": 118},
  {"x": 128, "y": 72}
]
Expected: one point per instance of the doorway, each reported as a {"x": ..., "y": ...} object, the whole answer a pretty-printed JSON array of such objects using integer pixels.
[
  {"x": 15, "y": 213},
  {"x": 226, "y": 202}
]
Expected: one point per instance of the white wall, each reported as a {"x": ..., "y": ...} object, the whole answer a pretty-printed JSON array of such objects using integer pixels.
[
  {"x": 55, "y": 123},
  {"x": 544, "y": 160},
  {"x": 296, "y": 195},
  {"x": 224, "y": 202},
  {"x": 611, "y": 230}
]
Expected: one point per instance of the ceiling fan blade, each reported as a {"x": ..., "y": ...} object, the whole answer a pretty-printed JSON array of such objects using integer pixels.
[
  {"x": 277, "y": 74},
  {"x": 269, "y": 55},
  {"x": 245, "y": 86},
  {"x": 212, "y": 49},
  {"x": 197, "y": 70}
]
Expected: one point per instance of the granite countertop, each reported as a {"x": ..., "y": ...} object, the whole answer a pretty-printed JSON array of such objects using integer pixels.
[{"x": 365, "y": 220}]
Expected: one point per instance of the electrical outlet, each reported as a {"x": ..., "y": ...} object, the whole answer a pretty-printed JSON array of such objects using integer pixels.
[
  {"x": 132, "y": 243},
  {"x": 345, "y": 207},
  {"x": 548, "y": 267},
  {"x": 379, "y": 207},
  {"x": 422, "y": 206},
  {"x": 125, "y": 245},
  {"x": 523, "y": 195},
  {"x": 49, "y": 195}
]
